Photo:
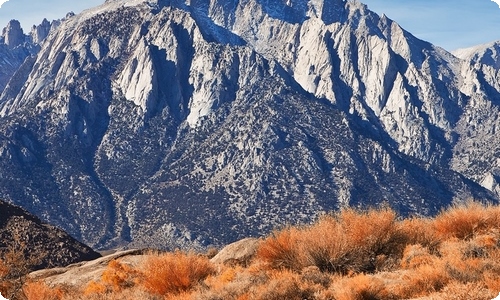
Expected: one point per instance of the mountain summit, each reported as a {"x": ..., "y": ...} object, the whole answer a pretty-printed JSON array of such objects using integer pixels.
[{"x": 191, "y": 123}]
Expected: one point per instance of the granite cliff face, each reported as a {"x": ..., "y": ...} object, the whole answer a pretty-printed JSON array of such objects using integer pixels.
[{"x": 190, "y": 123}]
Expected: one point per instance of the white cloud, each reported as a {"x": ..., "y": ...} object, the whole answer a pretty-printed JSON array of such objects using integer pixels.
[
  {"x": 1, "y": 3},
  {"x": 497, "y": 2}
]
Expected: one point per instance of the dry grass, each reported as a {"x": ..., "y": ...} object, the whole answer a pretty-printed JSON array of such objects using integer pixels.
[
  {"x": 350, "y": 241},
  {"x": 423, "y": 280},
  {"x": 40, "y": 291},
  {"x": 175, "y": 272},
  {"x": 465, "y": 291},
  {"x": 282, "y": 249},
  {"x": 466, "y": 220},
  {"x": 361, "y": 287},
  {"x": 349, "y": 255}
]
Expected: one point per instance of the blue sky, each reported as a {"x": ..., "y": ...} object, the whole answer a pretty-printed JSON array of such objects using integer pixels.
[
  {"x": 449, "y": 24},
  {"x": 31, "y": 12}
]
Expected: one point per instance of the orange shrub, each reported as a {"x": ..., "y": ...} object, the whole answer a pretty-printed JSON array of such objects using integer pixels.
[
  {"x": 282, "y": 249},
  {"x": 119, "y": 276},
  {"x": 325, "y": 245},
  {"x": 5, "y": 285},
  {"x": 360, "y": 287},
  {"x": 95, "y": 288},
  {"x": 415, "y": 256},
  {"x": 367, "y": 235},
  {"x": 464, "y": 261},
  {"x": 492, "y": 281},
  {"x": 423, "y": 280},
  {"x": 174, "y": 272},
  {"x": 223, "y": 278},
  {"x": 4, "y": 269},
  {"x": 419, "y": 231},
  {"x": 283, "y": 284},
  {"x": 40, "y": 291},
  {"x": 464, "y": 221},
  {"x": 347, "y": 241},
  {"x": 464, "y": 291}
]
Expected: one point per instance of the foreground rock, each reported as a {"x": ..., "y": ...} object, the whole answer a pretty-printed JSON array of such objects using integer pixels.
[
  {"x": 240, "y": 252},
  {"x": 80, "y": 274}
]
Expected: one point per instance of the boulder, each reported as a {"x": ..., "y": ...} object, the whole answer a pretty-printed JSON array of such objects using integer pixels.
[{"x": 240, "y": 252}]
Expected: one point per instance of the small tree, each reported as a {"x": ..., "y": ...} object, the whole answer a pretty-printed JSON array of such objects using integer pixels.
[{"x": 16, "y": 262}]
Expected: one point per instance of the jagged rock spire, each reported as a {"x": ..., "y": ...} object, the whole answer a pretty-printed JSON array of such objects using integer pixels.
[
  {"x": 13, "y": 34},
  {"x": 40, "y": 32}
]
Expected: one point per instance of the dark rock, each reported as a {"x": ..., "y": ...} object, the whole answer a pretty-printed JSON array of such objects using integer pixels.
[{"x": 50, "y": 246}]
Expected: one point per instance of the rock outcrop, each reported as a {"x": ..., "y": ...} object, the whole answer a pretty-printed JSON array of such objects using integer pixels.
[
  {"x": 49, "y": 246},
  {"x": 40, "y": 32},
  {"x": 13, "y": 34},
  {"x": 241, "y": 252},
  {"x": 77, "y": 276}
]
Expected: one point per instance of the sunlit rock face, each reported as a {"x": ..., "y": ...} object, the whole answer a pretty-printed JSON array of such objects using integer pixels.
[{"x": 190, "y": 123}]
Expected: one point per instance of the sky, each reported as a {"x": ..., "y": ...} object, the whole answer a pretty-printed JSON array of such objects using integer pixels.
[
  {"x": 445, "y": 23},
  {"x": 449, "y": 24},
  {"x": 32, "y": 12}
]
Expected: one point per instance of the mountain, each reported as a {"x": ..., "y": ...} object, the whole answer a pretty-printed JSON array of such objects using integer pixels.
[
  {"x": 195, "y": 123},
  {"x": 52, "y": 247}
]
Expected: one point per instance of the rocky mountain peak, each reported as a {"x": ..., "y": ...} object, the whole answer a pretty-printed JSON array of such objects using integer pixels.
[
  {"x": 40, "y": 32},
  {"x": 13, "y": 34}
]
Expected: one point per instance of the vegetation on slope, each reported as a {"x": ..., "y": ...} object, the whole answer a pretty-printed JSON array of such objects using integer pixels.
[{"x": 344, "y": 256}]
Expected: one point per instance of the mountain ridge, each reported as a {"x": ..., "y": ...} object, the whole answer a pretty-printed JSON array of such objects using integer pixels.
[{"x": 160, "y": 123}]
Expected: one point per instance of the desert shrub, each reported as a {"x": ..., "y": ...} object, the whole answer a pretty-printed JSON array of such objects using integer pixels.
[
  {"x": 5, "y": 285},
  {"x": 361, "y": 287},
  {"x": 282, "y": 284},
  {"x": 464, "y": 291},
  {"x": 223, "y": 284},
  {"x": 314, "y": 275},
  {"x": 325, "y": 245},
  {"x": 119, "y": 276},
  {"x": 128, "y": 294},
  {"x": 16, "y": 261},
  {"x": 283, "y": 249},
  {"x": 492, "y": 281},
  {"x": 350, "y": 241},
  {"x": 415, "y": 256},
  {"x": 462, "y": 260},
  {"x": 94, "y": 288},
  {"x": 466, "y": 220},
  {"x": 419, "y": 231},
  {"x": 40, "y": 291},
  {"x": 423, "y": 280},
  {"x": 365, "y": 236},
  {"x": 174, "y": 272},
  {"x": 116, "y": 277}
]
